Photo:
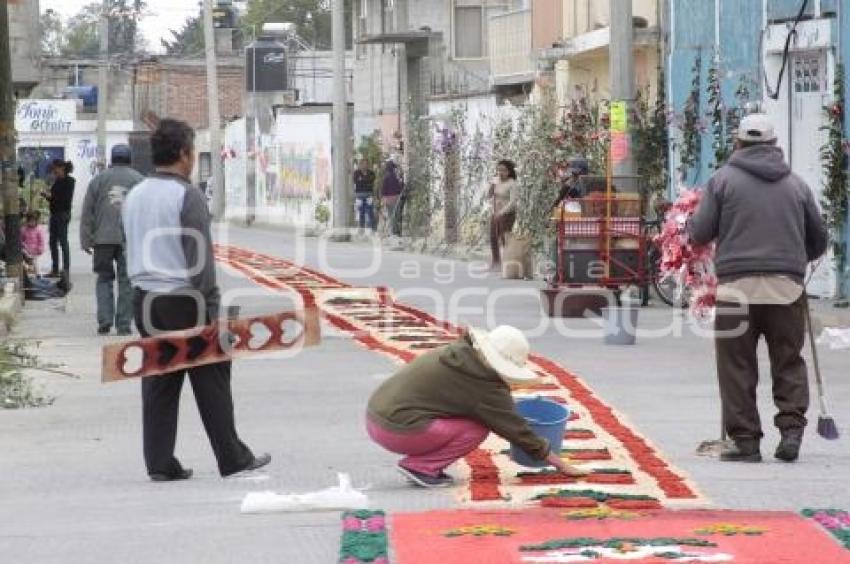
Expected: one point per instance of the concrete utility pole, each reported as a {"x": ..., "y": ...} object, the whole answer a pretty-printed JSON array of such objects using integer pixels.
[
  {"x": 214, "y": 117},
  {"x": 8, "y": 168},
  {"x": 622, "y": 67},
  {"x": 103, "y": 83},
  {"x": 341, "y": 193}
]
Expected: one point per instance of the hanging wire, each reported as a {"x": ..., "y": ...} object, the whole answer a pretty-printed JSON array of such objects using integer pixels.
[{"x": 792, "y": 34}]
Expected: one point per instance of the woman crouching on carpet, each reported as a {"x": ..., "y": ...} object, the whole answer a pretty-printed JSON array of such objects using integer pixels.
[{"x": 441, "y": 406}]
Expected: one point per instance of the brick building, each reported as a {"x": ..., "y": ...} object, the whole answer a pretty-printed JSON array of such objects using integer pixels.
[{"x": 177, "y": 88}]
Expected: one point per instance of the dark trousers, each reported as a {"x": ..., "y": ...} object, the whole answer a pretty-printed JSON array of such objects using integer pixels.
[
  {"x": 783, "y": 328},
  {"x": 58, "y": 227},
  {"x": 161, "y": 395},
  {"x": 108, "y": 263},
  {"x": 499, "y": 227}
]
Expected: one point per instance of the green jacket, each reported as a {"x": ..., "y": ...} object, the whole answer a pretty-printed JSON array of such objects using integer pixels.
[{"x": 452, "y": 382}]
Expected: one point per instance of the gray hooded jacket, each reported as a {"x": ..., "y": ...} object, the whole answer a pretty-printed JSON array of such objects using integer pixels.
[
  {"x": 763, "y": 216},
  {"x": 100, "y": 223}
]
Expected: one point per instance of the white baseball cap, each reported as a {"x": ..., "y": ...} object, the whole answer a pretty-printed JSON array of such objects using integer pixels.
[{"x": 756, "y": 128}]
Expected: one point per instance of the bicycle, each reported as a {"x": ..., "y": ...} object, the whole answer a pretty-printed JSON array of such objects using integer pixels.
[{"x": 671, "y": 289}]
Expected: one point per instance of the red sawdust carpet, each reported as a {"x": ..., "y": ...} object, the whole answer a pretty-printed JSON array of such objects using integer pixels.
[{"x": 647, "y": 536}]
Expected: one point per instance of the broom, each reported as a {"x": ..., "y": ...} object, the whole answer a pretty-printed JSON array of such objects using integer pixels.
[{"x": 826, "y": 424}]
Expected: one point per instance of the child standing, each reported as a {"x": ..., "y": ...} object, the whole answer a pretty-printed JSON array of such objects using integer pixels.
[{"x": 32, "y": 240}]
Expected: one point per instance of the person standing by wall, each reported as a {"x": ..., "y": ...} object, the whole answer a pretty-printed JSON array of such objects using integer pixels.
[
  {"x": 61, "y": 198},
  {"x": 102, "y": 235},
  {"x": 172, "y": 268},
  {"x": 503, "y": 192},
  {"x": 767, "y": 227},
  {"x": 364, "y": 194},
  {"x": 391, "y": 190}
]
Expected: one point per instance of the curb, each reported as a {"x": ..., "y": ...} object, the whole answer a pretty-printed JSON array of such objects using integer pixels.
[{"x": 10, "y": 307}]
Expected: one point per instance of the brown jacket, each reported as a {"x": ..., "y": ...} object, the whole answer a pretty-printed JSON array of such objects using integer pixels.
[{"x": 453, "y": 382}]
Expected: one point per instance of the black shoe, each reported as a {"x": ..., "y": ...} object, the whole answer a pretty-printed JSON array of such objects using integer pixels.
[
  {"x": 742, "y": 450},
  {"x": 789, "y": 447},
  {"x": 104, "y": 330},
  {"x": 257, "y": 463},
  {"x": 184, "y": 474},
  {"x": 443, "y": 480}
]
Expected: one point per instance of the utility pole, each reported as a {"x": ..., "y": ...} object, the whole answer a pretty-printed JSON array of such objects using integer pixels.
[
  {"x": 103, "y": 83},
  {"x": 341, "y": 195},
  {"x": 622, "y": 67},
  {"x": 8, "y": 169},
  {"x": 214, "y": 117}
]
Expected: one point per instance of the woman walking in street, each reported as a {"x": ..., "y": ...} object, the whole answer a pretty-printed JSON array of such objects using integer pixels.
[
  {"x": 503, "y": 192},
  {"x": 61, "y": 196}
]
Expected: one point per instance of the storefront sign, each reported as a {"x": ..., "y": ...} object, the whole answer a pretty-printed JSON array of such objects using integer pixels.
[{"x": 45, "y": 116}]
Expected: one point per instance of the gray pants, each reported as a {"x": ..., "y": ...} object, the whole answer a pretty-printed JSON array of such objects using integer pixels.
[
  {"x": 783, "y": 328},
  {"x": 109, "y": 263}
]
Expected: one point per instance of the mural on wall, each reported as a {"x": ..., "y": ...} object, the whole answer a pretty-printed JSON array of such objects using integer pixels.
[{"x": 295, "y": 165}]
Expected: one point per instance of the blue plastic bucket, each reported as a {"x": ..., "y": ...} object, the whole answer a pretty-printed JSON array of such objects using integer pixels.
[{"x": 547, "y": 419}]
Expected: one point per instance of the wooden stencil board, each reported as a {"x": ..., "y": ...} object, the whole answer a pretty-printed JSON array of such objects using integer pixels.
[{"x": 225, "y": 340}]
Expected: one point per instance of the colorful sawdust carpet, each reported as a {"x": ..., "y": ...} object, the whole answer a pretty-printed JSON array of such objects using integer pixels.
[
  {"x": 624, "y": 465},
  {"x": 547, "y": 536}
]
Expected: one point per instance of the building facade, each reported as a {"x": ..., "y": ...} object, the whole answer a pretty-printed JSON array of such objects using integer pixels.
[
  {"x": 408, "y": 53},
  {"x": 25, "y": 43}
]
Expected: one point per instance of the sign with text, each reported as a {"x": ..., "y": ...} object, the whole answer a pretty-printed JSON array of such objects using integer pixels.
[
  {"x": 45, "y": 116},
  {"x": 619, "y": 117}
]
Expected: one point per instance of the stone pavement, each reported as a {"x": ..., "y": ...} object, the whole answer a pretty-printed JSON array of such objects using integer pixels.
[{"x": 74, "y": 487}]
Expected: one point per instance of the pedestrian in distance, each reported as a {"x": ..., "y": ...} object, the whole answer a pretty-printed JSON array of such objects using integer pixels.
[
  {"x": 32, "y": 240},
  {"x": 572, "y": 186},
  {"x": 61, "y": 198},
  {"x": 172, "y": 269},
  {"x": 391, "y": 189},
  {"x": 444, "y": 404},
  {"x": 364, "y": 194},
  {"x": 102, "y": 236},
  {"x": 503, "y": 192},
  {"x": 767, "y": 228}
]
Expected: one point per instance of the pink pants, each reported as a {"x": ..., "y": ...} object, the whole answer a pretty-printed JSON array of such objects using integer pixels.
[{"x": 433, "y": 448}]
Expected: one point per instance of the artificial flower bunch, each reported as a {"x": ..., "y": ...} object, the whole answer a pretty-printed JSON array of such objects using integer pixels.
[{"x": 691, "y": 265}]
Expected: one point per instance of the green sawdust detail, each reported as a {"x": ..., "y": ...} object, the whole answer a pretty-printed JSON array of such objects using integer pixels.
[
  {"x": 362, "y": 545},
  {"x": 595, "y": 495},
  {"x": 615, "y": 542},
  {"x": 843, "y": 535}
]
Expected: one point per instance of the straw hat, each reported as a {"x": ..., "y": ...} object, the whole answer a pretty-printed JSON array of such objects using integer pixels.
[{"x": 505, "y": 349}]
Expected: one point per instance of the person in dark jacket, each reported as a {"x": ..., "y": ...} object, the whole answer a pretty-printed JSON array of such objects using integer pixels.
[
  {"x": 364, "y": 194},
  {"x": 171, "y": 265},
  {"x": 441, "y": 406},
  {"x": 60, "y": 197},
  {"x": 767, "y": 228},
  {"x": 102, "y": 235},
  {"x": 391, "y": 190}
]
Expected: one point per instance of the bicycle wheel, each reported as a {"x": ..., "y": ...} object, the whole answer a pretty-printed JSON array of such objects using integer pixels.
[{"x": 670, "y": 290}]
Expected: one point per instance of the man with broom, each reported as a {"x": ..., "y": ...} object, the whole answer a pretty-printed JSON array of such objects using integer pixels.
[{"x": 767, "y": 227}]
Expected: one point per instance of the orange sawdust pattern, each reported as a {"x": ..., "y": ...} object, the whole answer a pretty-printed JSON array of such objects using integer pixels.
[{"x": 403, "y": 332}]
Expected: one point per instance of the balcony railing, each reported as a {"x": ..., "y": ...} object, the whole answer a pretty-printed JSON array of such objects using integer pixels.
[{"x": 510, "y": 45}]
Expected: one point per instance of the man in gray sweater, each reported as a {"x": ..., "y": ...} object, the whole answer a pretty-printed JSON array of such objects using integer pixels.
[
  {"x": 102, "y": 235},
  {"x": 172, "y": 268},
  {"x": 767, "y": 227}
]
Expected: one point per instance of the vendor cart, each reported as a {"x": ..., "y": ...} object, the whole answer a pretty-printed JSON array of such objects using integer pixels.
[{"x": 601, "y": 241}]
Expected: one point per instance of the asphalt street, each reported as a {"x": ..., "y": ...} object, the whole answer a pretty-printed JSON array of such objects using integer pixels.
[{"x": 74, "y": 487}]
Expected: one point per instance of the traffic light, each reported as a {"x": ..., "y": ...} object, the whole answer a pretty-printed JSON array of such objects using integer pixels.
[{"x": 224, "y": 15}]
